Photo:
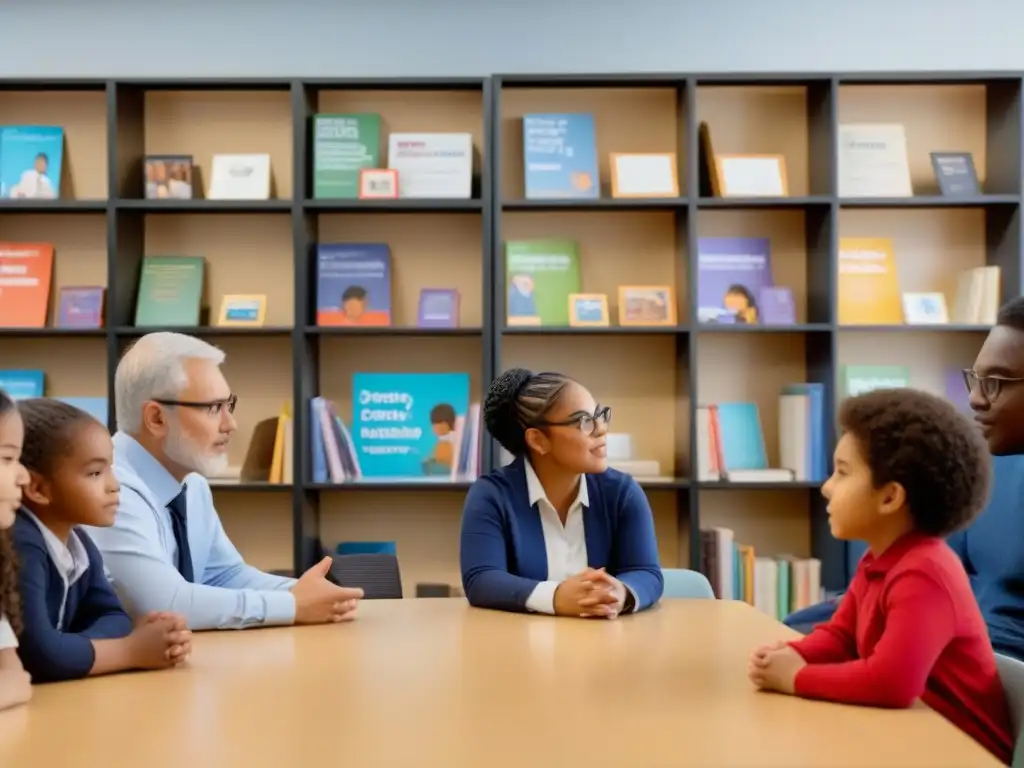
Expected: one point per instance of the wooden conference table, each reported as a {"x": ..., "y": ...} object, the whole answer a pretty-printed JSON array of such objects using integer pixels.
[{"x": 432, "y": 682}]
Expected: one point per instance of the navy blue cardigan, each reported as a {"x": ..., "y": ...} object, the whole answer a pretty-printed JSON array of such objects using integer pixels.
[
  {"x": 92, "y": 612},
  {"x": 502, "y": 550}
]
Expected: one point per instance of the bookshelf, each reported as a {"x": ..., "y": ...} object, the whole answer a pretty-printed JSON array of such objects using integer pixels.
[{"x": 653, "y": 377}]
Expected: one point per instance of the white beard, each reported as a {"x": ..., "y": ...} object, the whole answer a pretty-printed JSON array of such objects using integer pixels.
[{"x": 182, "y": 451}]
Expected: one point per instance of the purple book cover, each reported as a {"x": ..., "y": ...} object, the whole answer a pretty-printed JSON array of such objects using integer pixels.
[
  {"x": 353, "y": 285},
  {"x": 956, "y": 390},
  {"x": 731, "y": 273},
  {"x": 81, "y": 307},
  {"x": 776, "y": 304},
  {"x": 439, "y": 308}
]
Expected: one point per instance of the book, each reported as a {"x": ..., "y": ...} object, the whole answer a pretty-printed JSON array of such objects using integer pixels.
[
  {"x": 540, "y": 277},
  {"x": 81, "y": 307},
  {"x": 732, "y": 274},
  {"x": 560, "y": 156},
  {"x": 432, "y": 165},
  {"x": 168, "y": 177},
  {"x": 26, "y": 272},
  {"x": 858, "y": 379},
  {"x": 353, "y": 285},
  {"x": 170, "y": 291},
  {"x": 240, "y": 177},
  {"x": 869, "y": 291},
  {"x": 438, "y": 308},
  {"x": 22, "y": 384},
  {"x": 342, "y": 146},
  {"x": 31, "y": 161},
  {"x": 407, "y": 425}
]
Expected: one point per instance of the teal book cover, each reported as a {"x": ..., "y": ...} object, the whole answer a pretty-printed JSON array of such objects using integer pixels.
[
  {"x": 408, "y": 425},
  {"x": 560, "y": 157},
  {"x": 21, "y": 385},
  {"x": 31, "y": 161},
  {"x": 342, "y": 146}
]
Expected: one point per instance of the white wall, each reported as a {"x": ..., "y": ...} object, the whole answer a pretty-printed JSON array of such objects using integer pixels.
[{"x": 337, "y": 38}]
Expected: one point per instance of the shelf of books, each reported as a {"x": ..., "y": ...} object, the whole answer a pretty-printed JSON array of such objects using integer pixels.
[{"x": 719, "y": 258}]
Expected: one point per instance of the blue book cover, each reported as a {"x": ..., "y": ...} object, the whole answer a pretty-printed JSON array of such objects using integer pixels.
[
  {"x": 21, "y": 385},
  {"x": 404, "y": 425},
  {"x": 732, "y": 274},
  {"x": 31, "y": 157},
  {"x": 560, "y": 156},
  {"x": 742, "y": 439},
  {"x": 353, "y": 285},
  {"x": 316, "y": 441}
]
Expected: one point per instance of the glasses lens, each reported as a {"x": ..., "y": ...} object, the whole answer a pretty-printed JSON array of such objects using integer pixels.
[
  {"x": 586, "y": 424},
  {"x": 606, "y": 415},
  {"x": 990, "y": 388}
]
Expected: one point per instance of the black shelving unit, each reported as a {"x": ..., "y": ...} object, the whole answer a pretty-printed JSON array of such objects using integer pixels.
[{"x": 126, "y": 215}]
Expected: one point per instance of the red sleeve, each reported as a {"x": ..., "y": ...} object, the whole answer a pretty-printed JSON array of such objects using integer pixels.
[
  {"x": 836, "y": 639},
  {"x": 920, "y": 620}
]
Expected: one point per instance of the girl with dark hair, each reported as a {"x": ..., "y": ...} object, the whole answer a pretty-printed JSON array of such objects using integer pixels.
[
  {"x": 556, "y": 531},
  {"x": 15, "y": 684}
]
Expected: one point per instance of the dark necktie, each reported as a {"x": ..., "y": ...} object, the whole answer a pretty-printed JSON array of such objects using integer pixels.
[{"x": 179, "y": 523}]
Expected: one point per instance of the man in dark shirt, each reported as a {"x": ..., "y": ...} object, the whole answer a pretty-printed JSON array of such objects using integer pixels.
[{"x": 992, "y": 548}]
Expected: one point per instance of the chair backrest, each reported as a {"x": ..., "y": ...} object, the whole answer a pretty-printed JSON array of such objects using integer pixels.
[
  {"x": 366, "y": 548},
  {"x": 680, "y": 582},
  {"x": 378, "y": 575}
]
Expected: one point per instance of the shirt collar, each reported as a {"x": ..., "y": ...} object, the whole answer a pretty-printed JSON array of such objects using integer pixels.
[
  {"x": 881, "y": 565},
  {"x": 160, "y": 482},
  {"x": 536, "y": 490},
  {"x": 71, "y": 559}
]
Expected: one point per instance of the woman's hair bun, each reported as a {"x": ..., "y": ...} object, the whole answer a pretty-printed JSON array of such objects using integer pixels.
[{"x": 500, "y": 412}]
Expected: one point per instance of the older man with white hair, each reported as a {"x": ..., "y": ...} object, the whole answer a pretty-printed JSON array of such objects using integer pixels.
[{"x": 167, "y": 549}]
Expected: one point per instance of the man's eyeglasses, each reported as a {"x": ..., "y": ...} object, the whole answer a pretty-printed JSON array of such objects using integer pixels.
[
  {"x": 586, "y": 422},
  {"x": 990, "y": 386},
  {"x": 213, "y": 408}
]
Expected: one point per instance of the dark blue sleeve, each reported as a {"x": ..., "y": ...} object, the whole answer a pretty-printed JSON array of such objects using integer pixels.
[
  {"x": 46, "y": 654},
  {"x": 100, "y": 615},
  {"x": 636, "y": 546},
  {"x": 482, "y": 554},
  {"x": 958, "y": 543}
]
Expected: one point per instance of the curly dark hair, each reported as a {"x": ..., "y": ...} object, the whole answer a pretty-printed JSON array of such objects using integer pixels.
[
  {"x": 10, "y": 598},
  {"x": 925, "y": 444},
  {"x": 517, "y": 400},
  {"x": 49, "y": 430},
  {"x": 1011, "y": 314}
]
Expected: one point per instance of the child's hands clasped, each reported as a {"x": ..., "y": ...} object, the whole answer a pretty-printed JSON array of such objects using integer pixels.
[
  {"x": 774, "y": 667},
  {"x": 161, "y": 640}
]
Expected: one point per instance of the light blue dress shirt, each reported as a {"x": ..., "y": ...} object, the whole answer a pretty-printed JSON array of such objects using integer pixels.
[{"x": 139, "y": 552}]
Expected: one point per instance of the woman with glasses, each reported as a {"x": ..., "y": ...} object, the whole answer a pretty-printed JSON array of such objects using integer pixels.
[{"x": 556, "y": 531}]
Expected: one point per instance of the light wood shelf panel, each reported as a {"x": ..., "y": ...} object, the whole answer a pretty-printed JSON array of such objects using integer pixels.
[
  {"x": 441, "y": 250},
  {"x": 763, "y": 120},
  {"x": 208, "y": 123},
  {"x": 625, "y": 120},
  {"x": 784, "y": 229},
  {"x": 72, "y": 367},
  {"x": 79, "y": 243},
  {"x": 615, "y": 248},
  {"x": 259, "y": 525},
  {"x": 83, "y": 116},
  {"x": 244, "y": 254},
  {"x": 937, "y": 118},
  {"x": 774, "y": 522}
]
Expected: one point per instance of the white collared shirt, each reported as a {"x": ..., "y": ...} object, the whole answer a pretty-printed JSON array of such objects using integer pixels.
[
  {"x": 71, "y": 559},
  {"x": 566, "y": 545},
  {"x": 7, "y": 637}
]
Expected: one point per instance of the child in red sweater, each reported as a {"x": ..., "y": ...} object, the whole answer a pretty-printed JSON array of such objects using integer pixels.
[{"x": 909, "y": 470}]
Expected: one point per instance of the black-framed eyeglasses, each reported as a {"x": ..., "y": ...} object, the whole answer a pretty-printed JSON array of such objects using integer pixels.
[
  {"x": 990, "y": 386},
  {"x": 585, "y": 421},
  {"x": 212, "y": 407}
]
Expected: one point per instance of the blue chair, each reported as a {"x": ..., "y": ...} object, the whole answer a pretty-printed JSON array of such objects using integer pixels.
[
  {"x": 680, "y": 582},
  {"x": 1011, "y": 674}
]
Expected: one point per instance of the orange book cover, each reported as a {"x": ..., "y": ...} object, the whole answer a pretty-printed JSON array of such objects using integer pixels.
[
  {"x": 26, "y": 270},
  {"x": 869, "y": 289}
]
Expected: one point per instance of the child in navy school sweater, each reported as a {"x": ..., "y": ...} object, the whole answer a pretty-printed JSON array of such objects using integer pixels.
[{"x": 73, "y": 622}]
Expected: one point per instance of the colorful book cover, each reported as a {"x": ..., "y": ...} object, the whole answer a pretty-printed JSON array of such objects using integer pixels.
[
  {"x": 353, "y": 284},
  {"x": 869, "y": 290},
  {"x": 560, "y": 156},
  {"x": 742, "y": 438},
  {"x": 731, "y": 274},
  {"x": 540, "y": 276},
  {"x": 21, "y": 385},
  {"x": 170, "y": 291},
  {"x": 438, "y": 308},
  {"x": 31, "y": 157},
  {"x": 776, "y": 305},
  {"x": 342, "y": 146},
  {"x": 26, "y": 271},
  {"x": 80, "y": 307},
  {"x": 858, "y": 379},
  {"x": 405, "y": 425}
]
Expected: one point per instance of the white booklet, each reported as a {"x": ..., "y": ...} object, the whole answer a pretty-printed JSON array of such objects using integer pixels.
[{"x": 240, "y": 177}]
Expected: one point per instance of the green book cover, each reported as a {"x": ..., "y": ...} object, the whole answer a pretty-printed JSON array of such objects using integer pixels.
[
  {"x": 170, "y": 291},
  {"x": 858, "y": 379},
  {"x": 540, "y": 275},
  {"x": 342, "y": 145}
]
